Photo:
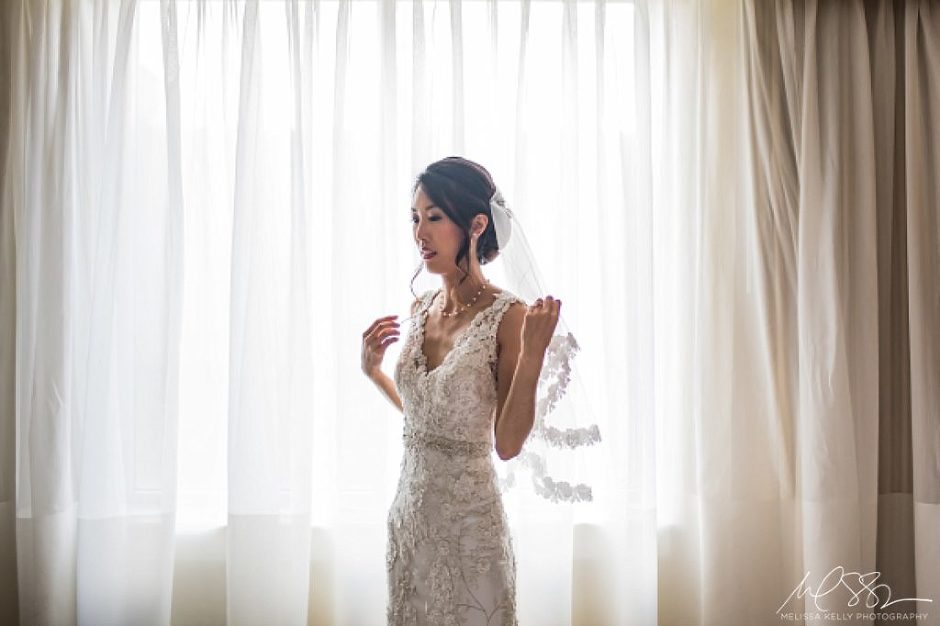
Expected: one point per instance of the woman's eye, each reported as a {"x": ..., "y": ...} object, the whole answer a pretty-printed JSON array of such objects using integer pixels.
[{"x": 434, "y": 218}]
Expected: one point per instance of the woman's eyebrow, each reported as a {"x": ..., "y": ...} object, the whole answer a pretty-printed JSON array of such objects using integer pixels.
[{"x": 429, "y": 207}]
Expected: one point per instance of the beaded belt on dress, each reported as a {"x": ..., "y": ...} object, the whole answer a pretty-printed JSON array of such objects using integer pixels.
[{"x": 445, "y": 444}]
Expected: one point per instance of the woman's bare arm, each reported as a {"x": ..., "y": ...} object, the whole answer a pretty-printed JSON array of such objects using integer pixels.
[
  {"x": 524, "y": 337},
  {"x": 518, "y": 372},
  {"x": 387, "y": 386}
]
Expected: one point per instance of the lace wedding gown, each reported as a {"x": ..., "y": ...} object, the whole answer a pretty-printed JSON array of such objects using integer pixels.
[{"x": 449, "y": 554}]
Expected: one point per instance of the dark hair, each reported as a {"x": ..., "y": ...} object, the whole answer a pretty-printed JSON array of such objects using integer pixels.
[{"x": 462, "y": 189}]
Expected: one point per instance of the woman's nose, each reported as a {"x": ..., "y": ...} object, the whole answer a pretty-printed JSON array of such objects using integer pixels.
[{"x": 419, "y": 231}]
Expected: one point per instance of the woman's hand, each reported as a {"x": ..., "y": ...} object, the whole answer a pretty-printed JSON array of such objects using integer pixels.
[
  {"x": 375, "y": 340},
  {"x": 541, "y": 317}
]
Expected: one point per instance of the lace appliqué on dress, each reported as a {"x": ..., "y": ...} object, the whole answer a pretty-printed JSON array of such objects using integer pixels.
[{"x": 449, "y": 555}]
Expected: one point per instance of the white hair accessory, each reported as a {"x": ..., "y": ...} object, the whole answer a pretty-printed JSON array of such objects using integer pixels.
[
  {"x": 560, "y": 394},
  {"x": 502, "y": 219}
]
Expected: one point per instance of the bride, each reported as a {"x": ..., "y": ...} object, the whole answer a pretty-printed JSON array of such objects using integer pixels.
[{"x": 466, "y": 384}]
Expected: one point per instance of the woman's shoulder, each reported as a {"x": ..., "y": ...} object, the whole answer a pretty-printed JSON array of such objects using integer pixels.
[
  {"x": 506, "y": 294},
  {"x": 510, "y": 311},
  {"x": 509, "y": 315}
]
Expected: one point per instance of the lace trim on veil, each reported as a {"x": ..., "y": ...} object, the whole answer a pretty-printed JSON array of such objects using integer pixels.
[
  {"x": 558, "y": 365},
  {"x": 552, "y": 385}
]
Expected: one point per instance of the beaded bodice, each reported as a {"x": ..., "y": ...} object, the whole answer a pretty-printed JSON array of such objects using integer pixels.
[{"x": 457, "y": 399}]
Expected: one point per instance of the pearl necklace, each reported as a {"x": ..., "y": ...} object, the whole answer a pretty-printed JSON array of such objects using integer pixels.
[{"x": 466, "y": 306}]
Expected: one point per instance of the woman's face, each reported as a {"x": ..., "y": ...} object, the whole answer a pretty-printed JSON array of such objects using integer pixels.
[{"x": 437, "y": 236}]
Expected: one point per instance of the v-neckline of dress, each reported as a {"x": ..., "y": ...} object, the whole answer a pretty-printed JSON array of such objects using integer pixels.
[{"x": 422, "y": 359}]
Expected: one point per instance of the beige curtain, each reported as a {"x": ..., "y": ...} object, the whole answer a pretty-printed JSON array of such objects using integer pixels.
[{"x": 843, "y": 103}]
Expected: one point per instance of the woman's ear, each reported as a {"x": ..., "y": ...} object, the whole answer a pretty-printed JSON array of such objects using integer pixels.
[{"x": 479, "y": 225}]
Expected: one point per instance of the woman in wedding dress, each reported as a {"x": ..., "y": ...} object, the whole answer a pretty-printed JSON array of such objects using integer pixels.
[{"x": 466, "y": 384}]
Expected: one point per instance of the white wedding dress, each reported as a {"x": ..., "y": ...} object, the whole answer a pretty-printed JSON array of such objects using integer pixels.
[{"x": 449, "y": 554}]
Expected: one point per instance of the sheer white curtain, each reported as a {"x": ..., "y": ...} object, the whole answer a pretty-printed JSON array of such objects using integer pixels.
[
  {"x": 204, "y": 206},
  {"x": 688, "y": 325},
  {"x": 92, "y": 286}
]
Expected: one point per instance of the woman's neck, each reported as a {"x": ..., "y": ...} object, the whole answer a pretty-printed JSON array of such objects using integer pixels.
[{"x": 463, "y": 291}]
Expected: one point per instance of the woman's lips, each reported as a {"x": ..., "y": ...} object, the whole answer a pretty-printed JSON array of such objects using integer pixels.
[{"x": 427, "y": 254}]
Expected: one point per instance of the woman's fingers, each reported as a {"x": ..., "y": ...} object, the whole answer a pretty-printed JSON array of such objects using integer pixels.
[
  {"x": 375, "y": 339},
  {"x": 382, "y": 320},
  {"x": 551, "y": 304},
  {"x": 380, "y": 347},
  {"x": 377, "y": 334},
  {"x": 388, "y": 332},
  {"x": 380, "y": 334}
]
